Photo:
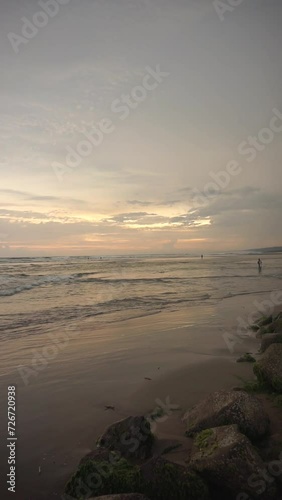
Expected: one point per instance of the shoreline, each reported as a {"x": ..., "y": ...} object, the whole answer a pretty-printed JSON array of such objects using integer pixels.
[{"x": 63, "y": 409}]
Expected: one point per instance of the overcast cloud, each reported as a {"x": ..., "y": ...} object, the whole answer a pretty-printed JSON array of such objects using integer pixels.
[{"x": 134, "y": 190}]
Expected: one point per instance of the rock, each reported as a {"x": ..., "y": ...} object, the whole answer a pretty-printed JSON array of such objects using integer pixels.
[
  {"x": 99, "y": 477},
  {"x": 270, "y": 338},
  {"x": 275, "y": 326},
  {"x": 164, "y": 480},
  {"x": 269, "y": 368},
  {"x": 265, "y": 320},
  {"x": 229, "y": 407},
  {"x": 263, "y": 330},
  {"x": 131, "y": 437},
  {"x": 130, "y": 496},
  {"x": 226, "y": 459},
  {"x": 246, "y": 358},
  {"x": 157, "y": 479}
]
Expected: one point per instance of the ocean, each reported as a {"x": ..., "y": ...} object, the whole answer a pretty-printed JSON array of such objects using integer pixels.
[{"x": 38, "y": 295}]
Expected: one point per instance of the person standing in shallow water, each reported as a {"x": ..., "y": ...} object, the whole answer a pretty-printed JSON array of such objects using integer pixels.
[{"x": 259, "y": 265}]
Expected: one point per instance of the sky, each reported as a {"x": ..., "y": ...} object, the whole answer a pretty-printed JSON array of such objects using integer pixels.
[{"x": 140, "y": 126}]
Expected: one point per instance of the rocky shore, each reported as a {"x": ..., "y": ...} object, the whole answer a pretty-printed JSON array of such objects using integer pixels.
[{"x": 232, "y": 446}]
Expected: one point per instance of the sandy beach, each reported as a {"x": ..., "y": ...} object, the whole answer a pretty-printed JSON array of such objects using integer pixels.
[{"x": 169, "y": 358}]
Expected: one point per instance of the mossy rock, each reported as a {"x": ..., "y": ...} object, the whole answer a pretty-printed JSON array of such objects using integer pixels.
[
  {"x": 267, "y": 326},
  {"x": 277, "y": 324},
  {"x": 254, "y": 386},
  {"x": 206, "y": 442},
  {"x": 261, "y": 332},
  {"x": 268, "y": 339},
  {"x": 260, "y": 377},
  {"x": 278, "y": 403},
  {"x": 268, "y": 369},
  {"x": 131, "y": 437},
  {"x": 246, "y": 358},
  {"x": 254, "y": 327},
  {"x": 226, "y": 460},
  {"x": 96, "y": 478},
  {"x": 164, "y": 480},
  {"x": 265, "y": 320},
  {"x": 157, "y": 479},
  {"x": 226, "y": 408}
]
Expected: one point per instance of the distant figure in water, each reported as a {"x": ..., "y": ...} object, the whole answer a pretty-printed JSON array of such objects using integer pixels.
[
  {"x": 202, "y": 256},
  {"x": 259, "y": 265}
]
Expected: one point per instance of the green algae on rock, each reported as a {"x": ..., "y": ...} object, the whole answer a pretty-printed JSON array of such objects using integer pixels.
[
  {"x": 96, "y": 478},
  {"x": 157, "y": 479},
  {"x": 206, "y": 441},
  {"x": 267, "y": 326},
  {"x": 227, "y": 461}
]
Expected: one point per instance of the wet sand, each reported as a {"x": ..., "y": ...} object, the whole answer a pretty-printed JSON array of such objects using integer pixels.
[{"x": 132, "y": 366}]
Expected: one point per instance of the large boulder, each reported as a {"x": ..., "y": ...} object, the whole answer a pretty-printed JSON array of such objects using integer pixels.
[
  {"x": 225, "y": 408},
  {"x": 131, "y": 437},
  {"x": 268, "y": 339},
  {"x": 226, "y": 459},
  {"x": 164, "y": 480},
  {"x": 269, "y": 368}
]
